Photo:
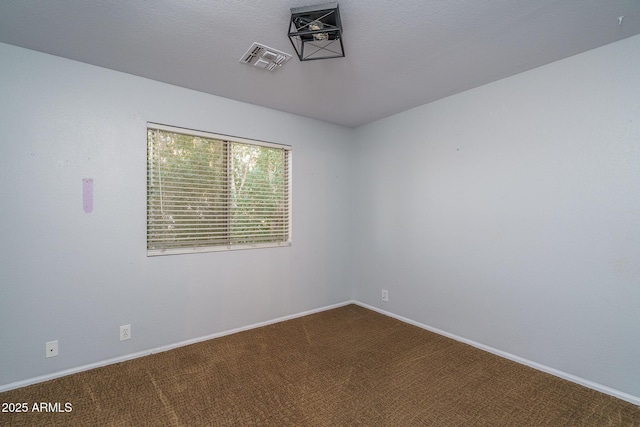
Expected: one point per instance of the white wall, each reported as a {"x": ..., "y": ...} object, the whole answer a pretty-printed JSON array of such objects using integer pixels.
[
  {"x": 77, "y": 277},
  {"x": 509, "y": 215}
]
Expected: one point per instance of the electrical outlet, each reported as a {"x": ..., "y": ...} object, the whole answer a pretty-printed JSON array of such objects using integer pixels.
[
  {"x": 125, "y": 332},
  {"x": 51, "y": 348},
  {"x": 385, "y": 295}
]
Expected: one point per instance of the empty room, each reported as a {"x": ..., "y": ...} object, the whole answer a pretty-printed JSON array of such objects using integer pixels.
[{"x": 306, "y": 213}]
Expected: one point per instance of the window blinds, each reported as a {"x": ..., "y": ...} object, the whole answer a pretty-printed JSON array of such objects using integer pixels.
[{"x": 208, "y": 192}]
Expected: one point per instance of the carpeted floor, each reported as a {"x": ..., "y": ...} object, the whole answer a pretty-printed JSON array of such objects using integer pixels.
[{"x": 347, "y": 366}]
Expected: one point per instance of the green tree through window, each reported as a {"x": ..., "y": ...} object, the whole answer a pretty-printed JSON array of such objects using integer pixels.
[{"x": 207, "y": 192}]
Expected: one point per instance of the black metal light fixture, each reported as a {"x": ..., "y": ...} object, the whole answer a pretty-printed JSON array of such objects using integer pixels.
[{"x": 316, "y": 32}]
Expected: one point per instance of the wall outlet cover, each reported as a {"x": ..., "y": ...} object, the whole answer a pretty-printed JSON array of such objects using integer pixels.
[
  {"x": 125, "y": 332},
  {"x": 51, "y": 348}
]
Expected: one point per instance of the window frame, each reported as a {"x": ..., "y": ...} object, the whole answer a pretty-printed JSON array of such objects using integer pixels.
[{"x": 227, "y": 139}]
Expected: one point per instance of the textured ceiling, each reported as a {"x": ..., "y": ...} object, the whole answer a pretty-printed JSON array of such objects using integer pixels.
[{"x": 399, "y": 54}]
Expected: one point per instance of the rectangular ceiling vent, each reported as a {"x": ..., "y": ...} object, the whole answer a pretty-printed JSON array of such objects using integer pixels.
[{"x": 265, "y": 57}]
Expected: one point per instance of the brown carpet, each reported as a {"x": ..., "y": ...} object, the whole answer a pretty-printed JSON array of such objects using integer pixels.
[{"x": 347, "y": 366}]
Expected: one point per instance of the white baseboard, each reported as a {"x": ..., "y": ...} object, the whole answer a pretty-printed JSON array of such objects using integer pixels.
[
  {"x": 569, "y": 377},
  {"x": 47, "y": 377}
]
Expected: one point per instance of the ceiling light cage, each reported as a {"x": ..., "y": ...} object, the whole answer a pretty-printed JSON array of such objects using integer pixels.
[{"x": 316, "y": 32}]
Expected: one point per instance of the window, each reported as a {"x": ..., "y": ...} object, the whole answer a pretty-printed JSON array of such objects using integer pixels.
[{"x": 208, "y": 192}]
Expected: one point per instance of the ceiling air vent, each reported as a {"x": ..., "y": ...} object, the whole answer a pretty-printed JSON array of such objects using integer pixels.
[{"x": 264, "y": 57}]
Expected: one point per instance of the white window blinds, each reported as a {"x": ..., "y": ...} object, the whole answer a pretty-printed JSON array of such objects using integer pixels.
[{"x": 208, "y": 192}]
